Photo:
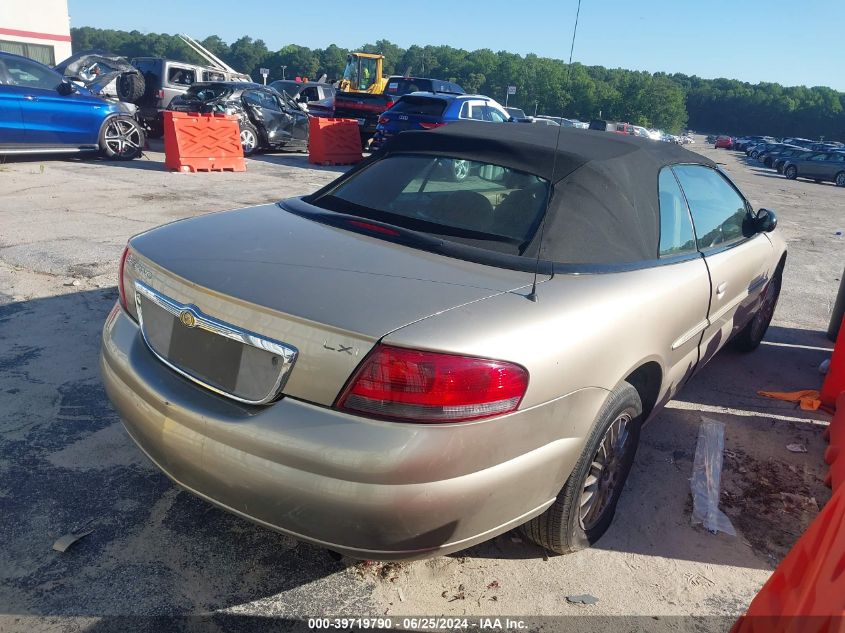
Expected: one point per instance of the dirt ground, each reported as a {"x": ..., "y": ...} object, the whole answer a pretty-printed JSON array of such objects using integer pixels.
[{"x": 66, "y": 465}]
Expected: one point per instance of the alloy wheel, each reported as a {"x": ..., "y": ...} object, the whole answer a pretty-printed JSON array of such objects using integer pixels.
[
  {"x": 840, "y": 179},
  {"x": 122, "y": 137},
  {"x": 248, "y": 141},
  {"x": 606, "y": 472}
]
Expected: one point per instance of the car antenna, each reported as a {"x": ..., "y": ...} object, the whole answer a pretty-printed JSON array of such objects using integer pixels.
[{"x": 532, "y": 296}]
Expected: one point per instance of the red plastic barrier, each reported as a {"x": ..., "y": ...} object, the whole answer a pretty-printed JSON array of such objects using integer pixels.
[
  {"x": 807, "y": 590},
  {"x": 835, "y": 453},
  {"x": 834, "y": 382},
  {"x": 202, "y": 142},
  {"x": 333, "y": 141}
]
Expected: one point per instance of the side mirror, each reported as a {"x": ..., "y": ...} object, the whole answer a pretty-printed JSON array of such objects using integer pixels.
[
  {"x": 766, "y": 221},
  {"x": 66, "y": 88}
]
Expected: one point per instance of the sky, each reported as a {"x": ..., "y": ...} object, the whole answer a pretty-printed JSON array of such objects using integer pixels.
[{"x": 782, "y": 41}]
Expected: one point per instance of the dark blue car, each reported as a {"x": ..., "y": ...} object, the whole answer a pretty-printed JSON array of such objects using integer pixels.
[
  {"x": 428, "y": 110},
  {"x": 41, "y": 113}
]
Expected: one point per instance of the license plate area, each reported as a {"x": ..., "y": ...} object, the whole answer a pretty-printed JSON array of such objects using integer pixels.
[{"x": 224, "y": 358}]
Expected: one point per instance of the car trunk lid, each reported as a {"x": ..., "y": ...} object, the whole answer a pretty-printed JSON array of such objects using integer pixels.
[{"x": 327, "y": 293}]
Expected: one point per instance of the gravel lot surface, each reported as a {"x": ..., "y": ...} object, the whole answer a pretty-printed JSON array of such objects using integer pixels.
[{"x": 66, "y": 464}]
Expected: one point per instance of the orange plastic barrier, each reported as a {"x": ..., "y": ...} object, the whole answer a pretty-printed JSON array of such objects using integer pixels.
[
  {"x": 834, "y": 456},
  {"x": 806, "y": 593},
  {"x": 202, "y": 142},
  {"x": 333, "y": 141},
  {"x": 834, "y": 382}
]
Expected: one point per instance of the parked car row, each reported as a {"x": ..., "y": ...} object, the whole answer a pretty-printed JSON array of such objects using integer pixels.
[{"x": 794, "y": 157}]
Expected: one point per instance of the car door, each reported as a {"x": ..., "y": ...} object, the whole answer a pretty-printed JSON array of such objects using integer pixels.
[
  {"x": 266, "y": 113},
  {"x": 814, "y": 167},
  {"x": 678, "y": 249},
  {"x": 739, "y": 261},
  {"x": 49, "y": 118},
  {"x": 11, "y": 120},
  {"x": 299, "y": 120}
]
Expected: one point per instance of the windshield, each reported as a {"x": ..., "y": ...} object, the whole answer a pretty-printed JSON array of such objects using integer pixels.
[{"x": 467, "y": 201}]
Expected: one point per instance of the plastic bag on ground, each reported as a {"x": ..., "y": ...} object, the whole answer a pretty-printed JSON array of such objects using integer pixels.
[{"x": 706, "y": 478}]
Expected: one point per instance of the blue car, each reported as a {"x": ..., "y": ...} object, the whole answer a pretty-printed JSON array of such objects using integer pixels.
[
  {"x": 41, "y": 113},
  {"x": 428, "y": 110}
]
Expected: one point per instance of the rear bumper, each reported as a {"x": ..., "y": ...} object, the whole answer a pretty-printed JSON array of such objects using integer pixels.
[{"x": 365, "y": 488}]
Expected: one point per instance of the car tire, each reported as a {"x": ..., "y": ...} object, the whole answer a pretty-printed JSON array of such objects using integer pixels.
[
  {"x": 754, "y": 155},
  {"x": 791, "y": 172},
  {"x": 130, "y": 87},
  {"x": 249, "y": 139},
  {"x": 121, "y": 138},
  {"x": 839, "y": 179},
  {"x": 567, "y": 526},
  {"x": 749, "y": 338}
]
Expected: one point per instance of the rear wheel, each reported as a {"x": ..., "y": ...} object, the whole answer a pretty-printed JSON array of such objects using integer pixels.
[
  {"x": 249, "y": 139},
  {"x": 749, "y": 338},
  {"x": 585, "y": 506},
  {"x": 121, "y": 139},
  {"x": 840, "y": 179},
  {"x": 791, "y": 172}
]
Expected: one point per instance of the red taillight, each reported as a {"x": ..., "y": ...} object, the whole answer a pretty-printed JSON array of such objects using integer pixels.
[
  {"x": 161, "y": 94},
  {"x": 429, "y": 387},
  {"x": 120, "y": 289},
  {"x": 430, "y": 126},
  {"x": 382, "y": 120}
]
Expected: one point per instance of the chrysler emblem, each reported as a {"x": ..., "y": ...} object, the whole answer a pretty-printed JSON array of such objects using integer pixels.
[{"x": 187, "y": 318}]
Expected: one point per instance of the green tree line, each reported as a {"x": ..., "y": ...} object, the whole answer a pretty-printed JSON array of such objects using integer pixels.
[{"x": 670, "y": 102}]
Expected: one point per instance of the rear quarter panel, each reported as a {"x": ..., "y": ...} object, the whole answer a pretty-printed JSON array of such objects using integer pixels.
[{"x": 584, "y": 331}]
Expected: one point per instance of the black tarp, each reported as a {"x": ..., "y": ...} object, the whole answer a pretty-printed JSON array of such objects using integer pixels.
[{"x": 604, "y": 206}]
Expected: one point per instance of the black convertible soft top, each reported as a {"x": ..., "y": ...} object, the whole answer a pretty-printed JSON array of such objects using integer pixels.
[{"x": 604, "y": 207}]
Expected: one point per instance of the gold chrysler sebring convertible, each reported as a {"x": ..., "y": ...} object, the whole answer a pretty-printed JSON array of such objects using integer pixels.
[{"x": 462, "y": 335}]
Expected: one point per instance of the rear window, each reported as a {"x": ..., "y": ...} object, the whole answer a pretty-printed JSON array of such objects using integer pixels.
[
  {"x": 397, "y": 87},
  {"x": 470, "y": 202},
  {"x": 420, "y": 105}
]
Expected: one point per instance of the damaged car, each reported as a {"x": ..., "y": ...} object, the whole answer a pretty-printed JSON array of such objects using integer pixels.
[
  {"x": 400, "y": 365},
  {"x": 268, "y": 119},
  {"x": 104, "y": 74},
  {"x": 42, "y": 112}
]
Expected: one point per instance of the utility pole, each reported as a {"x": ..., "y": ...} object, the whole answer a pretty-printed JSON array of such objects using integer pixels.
[
  {"x": 283, "y": 72},
  {"x": 536, "y": 103}
]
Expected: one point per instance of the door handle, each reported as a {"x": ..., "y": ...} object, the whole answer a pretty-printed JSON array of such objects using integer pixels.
[
  {"x": 720, "y": 289},
  {"x": 31, "y": 98}
]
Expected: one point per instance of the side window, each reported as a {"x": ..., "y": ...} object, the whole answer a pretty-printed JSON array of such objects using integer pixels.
[
  {"x": 718, "y": 210},
  {"x": 494, "y": 115},
  {"x": 676, "y": 233},
  {"x": 180, "y": 76},
  {"x": 476, "y": 111},
  {"x": 820, "y": 157},
  {"x": 269, "y": 102},
  {"x": 464, "y": 111},
  {"x": 25, "y": 73},
  {"x": 252, "y": 98}
]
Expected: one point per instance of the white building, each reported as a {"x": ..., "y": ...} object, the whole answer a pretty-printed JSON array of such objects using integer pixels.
[{"x": 39, "y": 29}]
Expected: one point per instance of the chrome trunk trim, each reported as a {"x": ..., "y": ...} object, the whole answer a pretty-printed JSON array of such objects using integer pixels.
[{"x": 286, "y": 353}]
